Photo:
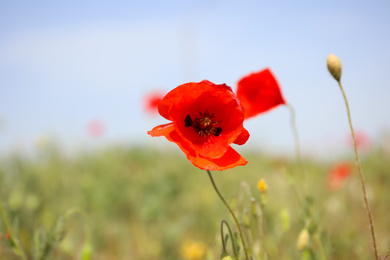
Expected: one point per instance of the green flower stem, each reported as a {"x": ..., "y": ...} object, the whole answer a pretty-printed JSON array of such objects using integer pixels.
[
  {"x": 300, "y": 161},
  {"x": 11, "y": 235},
  {"x": 317, "y": 238},
  {"x": 258, "y": 219},
  {"x": 231, "y": 212},
  {"x": 297, "y": 143},
  {"x": 231, "y": 237},
  {"x": 302, "y": 201},
  {"x": 361, "y": 174}
]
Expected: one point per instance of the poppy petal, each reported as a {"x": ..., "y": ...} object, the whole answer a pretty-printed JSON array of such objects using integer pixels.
[
  {"x": 152, "y": 100},
  {"x": 243, "y": 137},
  {"x": 170, "y": 133},
  {"x": 229, "y": 160},
  {"x": 259, "y": 92},
  {"x": 162, "y": 130},
  {"x": 187, "y": 93},
  {"x": 225, "y": 110}
]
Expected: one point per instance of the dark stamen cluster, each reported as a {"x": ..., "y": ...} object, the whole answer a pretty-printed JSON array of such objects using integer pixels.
[{"x": 204, "y": 125}]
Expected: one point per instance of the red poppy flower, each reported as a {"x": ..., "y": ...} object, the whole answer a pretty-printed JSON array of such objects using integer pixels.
[
  {"x": 206, "y": 119},
  {"x": 151, "y": 101},
  {"x": 363, "y": 141},
  {"x": 259, "y": 92},
  {"x": 95, "y": 128},
  {"x": 338, "y": 174},
  {"x": 7, "y": 235}
]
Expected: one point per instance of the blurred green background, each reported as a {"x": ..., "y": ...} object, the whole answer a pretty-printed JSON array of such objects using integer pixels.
[{"x": 145, "y": 203}]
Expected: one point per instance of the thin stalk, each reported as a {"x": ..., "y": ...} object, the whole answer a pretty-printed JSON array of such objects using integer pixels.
[
  {"x": 312, "y": 217},
  {"x": 249, "y": 238},
  {"x": 318, "y": 239},
  {"x": 231, "y": 212},
  {"x": 231, "y": 237},
  {"x": 257, "y": 216},
  {"x": 11, "y": 235},
  {"x": 297, "y": 143},
  {"x": 300, "y": 161},
  {"x": 361, "y": 175}
]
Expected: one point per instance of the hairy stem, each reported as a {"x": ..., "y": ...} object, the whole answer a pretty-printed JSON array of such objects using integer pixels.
[
  {"x": 15, "y": 242},
  {"x": 231, "y": 212},
  {"x": 300, "y": 161},
  {"x": 297, "y": 143},
  {"x": 231, "y": 237},
  {"x": 361, "y": 175}
]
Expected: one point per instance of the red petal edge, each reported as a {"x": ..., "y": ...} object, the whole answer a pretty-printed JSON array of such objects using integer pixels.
[
  {"x": 162, "y": 130},
  {"x": 243, "y": 137},
  {"x": 229, "y": 160}
]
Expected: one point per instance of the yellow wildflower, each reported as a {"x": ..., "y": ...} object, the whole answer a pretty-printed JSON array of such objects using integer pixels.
[
  {"x": 193, "y": 250},
  {"x": 262, "y": 186}
]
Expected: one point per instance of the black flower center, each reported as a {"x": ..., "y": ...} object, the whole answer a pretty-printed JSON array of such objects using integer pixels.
[{"x": 204, "y": 125}]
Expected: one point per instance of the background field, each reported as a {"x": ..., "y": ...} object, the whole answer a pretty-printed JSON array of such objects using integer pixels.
[
  {"x": 67, "y": 67},
  {"x": 145, "y": 203}
]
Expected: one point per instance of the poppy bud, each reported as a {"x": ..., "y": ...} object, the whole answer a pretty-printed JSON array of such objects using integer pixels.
[
  {"x": 254, "y": 207},
  {"x": 334, "y": 66},
  {"x": 247, "y": 219}
]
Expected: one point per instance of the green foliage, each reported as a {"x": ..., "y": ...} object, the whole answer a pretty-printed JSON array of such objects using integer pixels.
[
  {"x": 46, "y": 241},
  {"x": 143, "y": 204}
]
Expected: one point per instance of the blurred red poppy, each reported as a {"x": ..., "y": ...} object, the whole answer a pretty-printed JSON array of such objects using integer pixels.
[
  {"x": 338, "y": 174},
  {"x": 363, "y": 141},
  {"x": 206, "y": 119},
  {"x": 152, "y": 100},
  {"x": 259, "y": 92},
  {"x": 95, "y": 128},
  {"x": 6, "y": 235}
]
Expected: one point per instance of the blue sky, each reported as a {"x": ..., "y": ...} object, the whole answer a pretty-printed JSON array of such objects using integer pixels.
[{"x": 63, "y": 64}]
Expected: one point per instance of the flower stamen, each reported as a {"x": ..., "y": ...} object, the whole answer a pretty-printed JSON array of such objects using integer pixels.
[{"x": 204, "y": 125}]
